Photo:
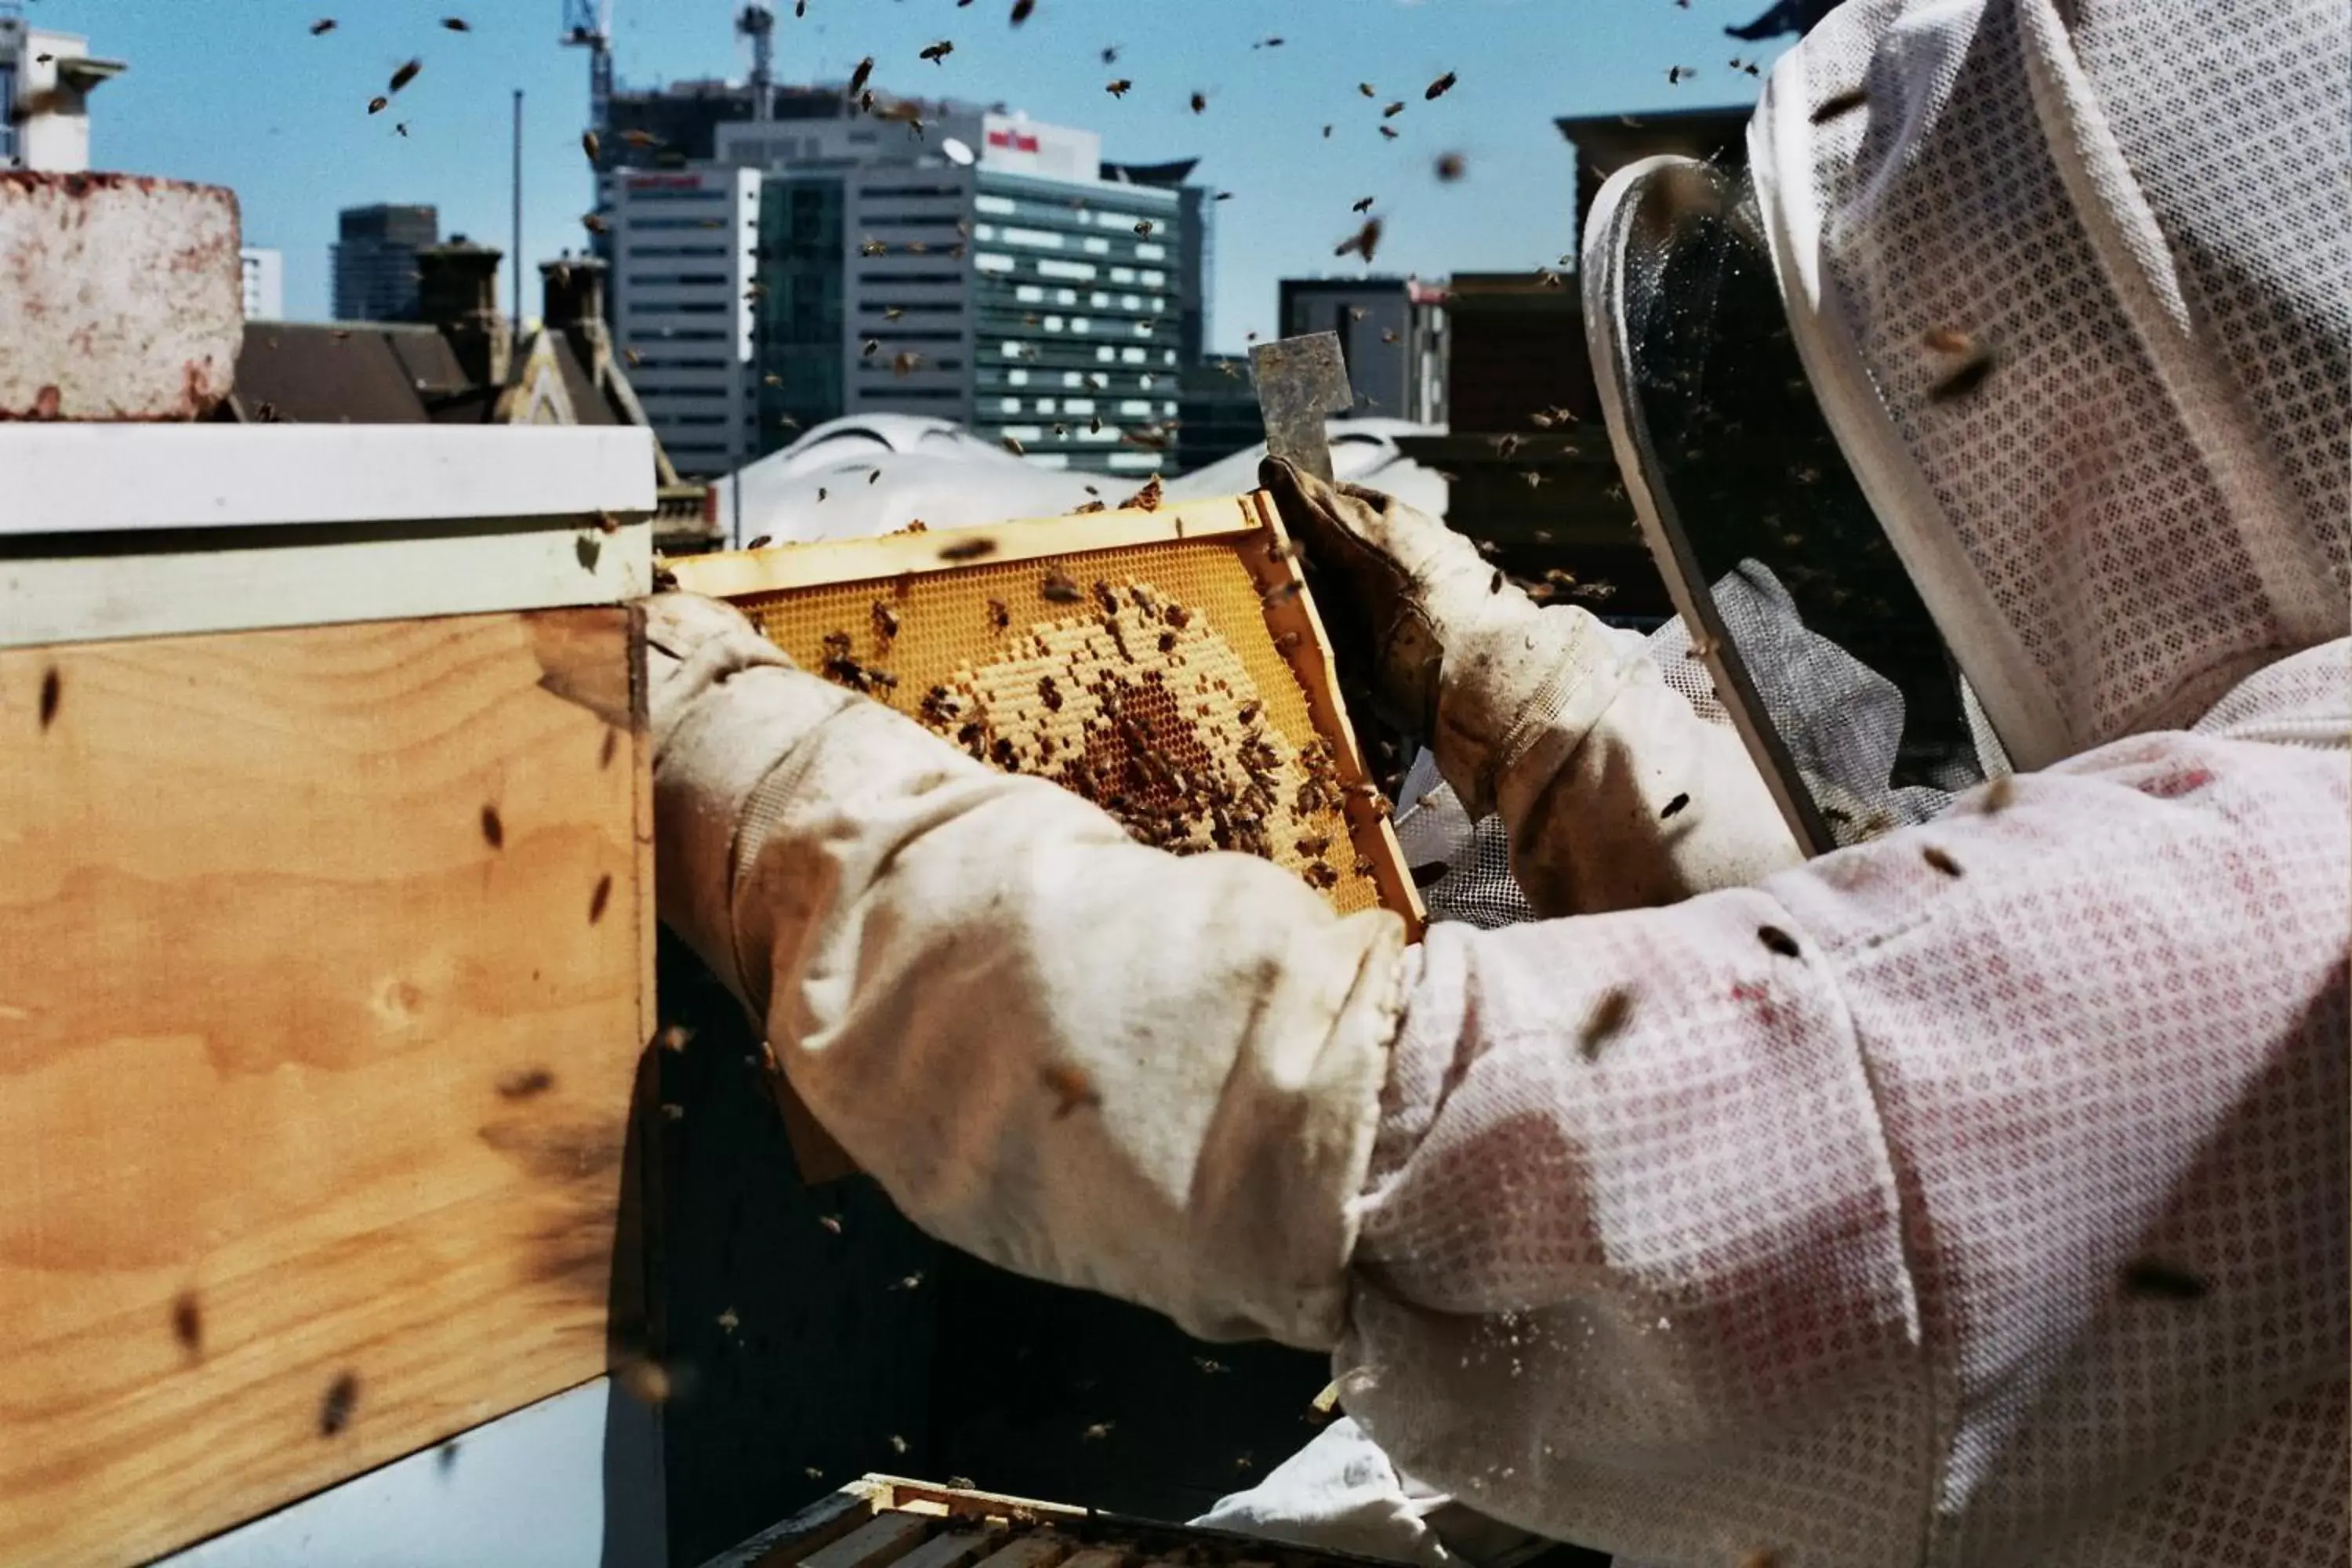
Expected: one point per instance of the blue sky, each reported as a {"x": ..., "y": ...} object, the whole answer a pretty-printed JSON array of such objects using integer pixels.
[{"x": 238, "y": 94}]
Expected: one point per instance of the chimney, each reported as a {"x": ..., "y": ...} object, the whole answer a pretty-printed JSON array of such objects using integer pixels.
[
  {"x": 457, "y": 291},
  {"x": 573, "y": 292}
]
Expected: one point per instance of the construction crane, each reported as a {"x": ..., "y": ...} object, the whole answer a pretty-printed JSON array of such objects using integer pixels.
[
  {"x": 588, "y": 24},
  {"x": 756, "y": 23}
]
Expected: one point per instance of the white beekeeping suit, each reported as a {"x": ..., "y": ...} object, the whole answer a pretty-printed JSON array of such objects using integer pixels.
[{"x": 1976, "y": 1194}]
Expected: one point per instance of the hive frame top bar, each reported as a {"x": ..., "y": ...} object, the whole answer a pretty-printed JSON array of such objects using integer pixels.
[{"x": 787, "y": 567}]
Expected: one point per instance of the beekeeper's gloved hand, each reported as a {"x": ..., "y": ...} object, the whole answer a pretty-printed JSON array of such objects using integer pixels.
[{"x": 1615, "y": 795}]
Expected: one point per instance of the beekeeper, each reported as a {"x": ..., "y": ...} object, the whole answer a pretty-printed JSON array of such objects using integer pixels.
[{"x": 1976, "y": 1192}]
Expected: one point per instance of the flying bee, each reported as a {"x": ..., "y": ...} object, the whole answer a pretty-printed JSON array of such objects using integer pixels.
[
  {"x": 885, "y": 621},
  {"x": 1200, "y": 101},
  {"x": 1363, "y": 204},
  {"x": 1118, "y": 88},
  {"x": 1608, "y": 1016},
  {"x": 1963, "y": 379},
  {"x": 1060, "y": 587},
  {"x": 861, "y": 76},
  {"x": 322, "y": 26},
  {"x": 343, "y": 1398},
  {"x": 1363, "y": 242},
  {"x": 405, "y": 74},
  {"x": 1451, "y": 166},
  {"x": 1441, "y": 87},
  {"x": 938, "y": 52},
  {"x": 1070, "y": 1086},
  {"x": 967, "y": 550},
  {"x": 1393, "y": 109},
  {"x": 1388, "y": 132}
]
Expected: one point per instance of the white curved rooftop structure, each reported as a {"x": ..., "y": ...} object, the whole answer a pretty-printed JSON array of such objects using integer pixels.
[{"x": 864, "y": 475}]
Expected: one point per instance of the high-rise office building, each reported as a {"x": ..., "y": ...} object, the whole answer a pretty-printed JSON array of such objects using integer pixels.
[
  {"x": 264, "y": 273},
  {"x": 983, "y": 271},
  {"x": 374, "y": 260},
  {"x": 684, "y": 243}
]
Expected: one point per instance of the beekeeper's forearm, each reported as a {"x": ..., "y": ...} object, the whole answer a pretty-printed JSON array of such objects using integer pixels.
[
  {"x": 1615, "y": 794},
  {"x": 1080, "y": 1059}
]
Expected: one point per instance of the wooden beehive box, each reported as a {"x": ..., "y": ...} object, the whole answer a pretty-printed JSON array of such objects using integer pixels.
[
  {"x": 1165, "y": 663},
  {"x": 887, "y": 1522},
  {"x": 327, "y": 922}
]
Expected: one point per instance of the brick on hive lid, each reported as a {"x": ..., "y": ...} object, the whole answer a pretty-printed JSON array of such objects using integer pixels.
[{"x": 126, "y": 301}]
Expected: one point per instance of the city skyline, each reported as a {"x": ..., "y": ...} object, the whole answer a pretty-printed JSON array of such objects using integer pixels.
[{"x": 251, "y": 100}]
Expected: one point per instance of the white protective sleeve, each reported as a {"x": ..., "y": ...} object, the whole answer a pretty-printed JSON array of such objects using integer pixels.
[
  {"x": 1976, "y": 1195},
  {"x": 1083, "y": 1059},
  {"x": 1616, "y": 796}
]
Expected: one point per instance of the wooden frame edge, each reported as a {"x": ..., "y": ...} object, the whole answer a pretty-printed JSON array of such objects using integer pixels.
[{"x": 828, "y": 562}]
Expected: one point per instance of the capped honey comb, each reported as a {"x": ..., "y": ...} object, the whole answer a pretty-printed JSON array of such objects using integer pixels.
[{"x": 1163, "y": 663}]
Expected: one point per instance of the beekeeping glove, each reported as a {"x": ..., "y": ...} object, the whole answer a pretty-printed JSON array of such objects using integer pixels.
[
  {"x": 1614, "y": 793},
  {"x": 1077, "y": 1058}
]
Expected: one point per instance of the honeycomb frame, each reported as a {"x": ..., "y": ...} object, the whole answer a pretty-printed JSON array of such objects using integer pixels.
[{"x": 1166, "y": 662}]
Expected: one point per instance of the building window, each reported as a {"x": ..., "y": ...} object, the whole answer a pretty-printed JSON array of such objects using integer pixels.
[
  {"x": 1096, "y": 244},
  {"x": 997, "y": 205},
  {"x": 1122, "y": 274},
  {"x": 1048, "y": 266},
  {"x": 987, "y": 263},
  {"x": 1152, "y": 253},
  {"x": 1037, "y": 239}
]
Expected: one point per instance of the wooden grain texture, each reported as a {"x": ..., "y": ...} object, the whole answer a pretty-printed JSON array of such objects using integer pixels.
[
  {"x": 1290, "y": 609},
  {"x": 327, "y": 973}
]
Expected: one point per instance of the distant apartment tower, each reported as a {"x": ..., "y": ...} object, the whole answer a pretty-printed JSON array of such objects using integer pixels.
[
  {"x": 1393, "y": 333},
  {"x": 374, "y": 260},
  {"x": 265, "y": 283},
  {"x": 685, "y": 244},
  {"x": 1019, "y": 293},
  {"x": 45, "y": 80}
]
